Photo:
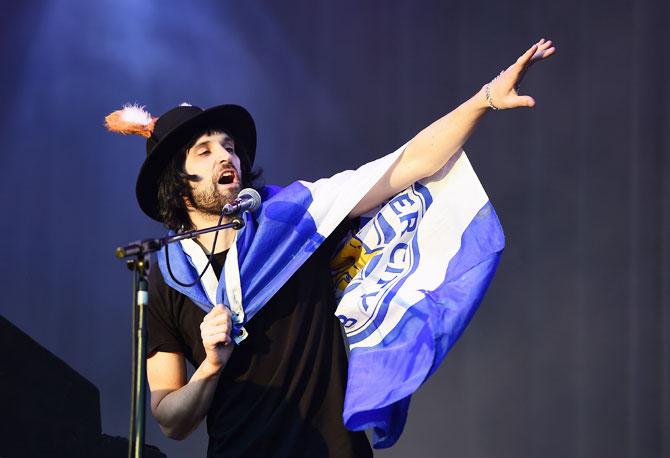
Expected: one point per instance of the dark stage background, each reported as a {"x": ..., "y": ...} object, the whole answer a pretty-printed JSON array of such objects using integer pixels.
[{"x": 569, "y": 355}]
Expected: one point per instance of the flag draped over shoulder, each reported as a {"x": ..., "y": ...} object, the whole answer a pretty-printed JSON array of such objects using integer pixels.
[
  {"x": 276, "y": 240},
  {"x": 409, "y": 282}
]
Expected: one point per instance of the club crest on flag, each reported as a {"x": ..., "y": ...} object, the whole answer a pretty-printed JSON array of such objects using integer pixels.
[{"x": 381, "y": 252}]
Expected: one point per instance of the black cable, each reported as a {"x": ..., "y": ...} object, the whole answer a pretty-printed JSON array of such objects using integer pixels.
[{"x": 209, "y": 260}]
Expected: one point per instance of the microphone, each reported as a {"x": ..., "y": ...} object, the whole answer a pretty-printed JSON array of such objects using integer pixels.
[{"x": 247, "y": 200}]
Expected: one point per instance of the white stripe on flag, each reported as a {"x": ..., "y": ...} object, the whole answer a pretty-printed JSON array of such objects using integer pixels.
[
  {"x": 198, "y": 258},
  {"x": 457, "y": 198}
]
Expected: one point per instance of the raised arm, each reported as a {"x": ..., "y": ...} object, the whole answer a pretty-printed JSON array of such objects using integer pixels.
[{"x": 432, "y": 148}]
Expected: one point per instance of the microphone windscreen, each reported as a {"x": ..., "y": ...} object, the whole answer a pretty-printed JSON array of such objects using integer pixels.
[{"x": 251, "y": 194}]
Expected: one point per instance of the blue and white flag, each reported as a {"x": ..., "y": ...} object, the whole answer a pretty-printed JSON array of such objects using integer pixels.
[
  {"x": 275, "y": 241},
  {"x": 409, "y": 281}
]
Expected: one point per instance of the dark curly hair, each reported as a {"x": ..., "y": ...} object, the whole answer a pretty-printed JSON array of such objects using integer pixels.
[{"x": 175, "y": 183}]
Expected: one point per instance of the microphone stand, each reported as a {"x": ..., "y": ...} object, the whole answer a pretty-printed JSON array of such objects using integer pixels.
[{"x": 137, "y": 260}]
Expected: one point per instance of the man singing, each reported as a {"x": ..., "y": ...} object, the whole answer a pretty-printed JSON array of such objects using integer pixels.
[{"x": 271, "y": 366}]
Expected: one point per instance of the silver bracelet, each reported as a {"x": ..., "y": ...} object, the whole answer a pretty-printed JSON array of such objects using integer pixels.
[{"x": 487, "y": 93}]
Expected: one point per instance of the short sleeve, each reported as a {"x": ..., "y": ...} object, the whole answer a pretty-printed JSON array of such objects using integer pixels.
[{"x": 162, "y": 329}]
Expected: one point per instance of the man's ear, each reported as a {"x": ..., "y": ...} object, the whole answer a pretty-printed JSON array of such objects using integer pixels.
[{"x": 188, "y": 202}]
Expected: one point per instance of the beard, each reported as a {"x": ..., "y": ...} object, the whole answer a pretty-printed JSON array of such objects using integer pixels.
[{"x": 211, "y": 199}]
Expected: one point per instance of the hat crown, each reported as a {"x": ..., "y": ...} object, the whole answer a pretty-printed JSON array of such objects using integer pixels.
[{"x": 169, "y": 121}]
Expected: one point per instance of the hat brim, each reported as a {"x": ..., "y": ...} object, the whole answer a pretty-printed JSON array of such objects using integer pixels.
[{"x": 234, "y": 119}]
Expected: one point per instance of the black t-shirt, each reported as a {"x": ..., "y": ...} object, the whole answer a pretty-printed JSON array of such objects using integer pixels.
[{"x": 282, "y": 392}]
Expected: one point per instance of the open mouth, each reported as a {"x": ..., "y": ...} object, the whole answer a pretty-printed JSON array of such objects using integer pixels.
[{"x": 227, "y": 177}]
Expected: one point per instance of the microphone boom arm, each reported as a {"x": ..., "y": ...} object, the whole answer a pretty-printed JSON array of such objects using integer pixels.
[{"x": 143, "y": 247}]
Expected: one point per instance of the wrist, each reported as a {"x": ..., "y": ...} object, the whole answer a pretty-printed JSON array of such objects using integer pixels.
[
  {"x": 210, "y": 369},
  {"x": 478, "y": 102},
  {"x": 482, "y": 99}
]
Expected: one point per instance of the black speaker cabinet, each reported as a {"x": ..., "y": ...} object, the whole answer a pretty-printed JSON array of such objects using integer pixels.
[{"x": 46, "y": 408}]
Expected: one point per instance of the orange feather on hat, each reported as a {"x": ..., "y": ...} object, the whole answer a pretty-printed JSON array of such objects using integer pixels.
[{"x": 131, "y": 119}]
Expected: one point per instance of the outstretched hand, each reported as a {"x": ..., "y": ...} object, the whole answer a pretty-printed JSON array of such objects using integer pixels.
[{"x": 503, "y": 89}]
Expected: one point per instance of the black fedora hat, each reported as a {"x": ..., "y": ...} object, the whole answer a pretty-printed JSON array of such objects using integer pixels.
[{"x": 171, "y": 133}]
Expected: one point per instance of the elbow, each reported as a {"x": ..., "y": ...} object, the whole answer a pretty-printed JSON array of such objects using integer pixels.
[
  {"x": 171, "y": 425},
  {"x": 173, "y": 429},
  {"x": 176, "y": 434}
]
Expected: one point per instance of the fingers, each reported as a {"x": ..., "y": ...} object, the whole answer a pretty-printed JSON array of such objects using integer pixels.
[
  {"x": 525, "y": 57},
  {"x": 212, "y": 337},
  {"x": 543, "y": 44},
  {"x": 544, "y": 50},
  {"x": 548, "y": 52},
  {"x": 540, "y": 50},
  {"x": 216, "y": 327},
  {"x": 218, "y": 338},
  {"x": 218, "y": 310}
]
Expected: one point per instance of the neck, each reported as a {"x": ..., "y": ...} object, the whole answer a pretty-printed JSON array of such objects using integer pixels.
[{"x": 225, "y": 236}]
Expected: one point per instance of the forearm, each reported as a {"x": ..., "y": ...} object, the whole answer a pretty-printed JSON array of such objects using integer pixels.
[
  {"x": 181, "y": 411},
  {"x": 432, "y": 148},
  {"x": 427, "y": 152}
]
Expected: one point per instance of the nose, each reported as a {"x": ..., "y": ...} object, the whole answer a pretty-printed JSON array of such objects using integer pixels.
[{"x": 223, "y": 155}]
